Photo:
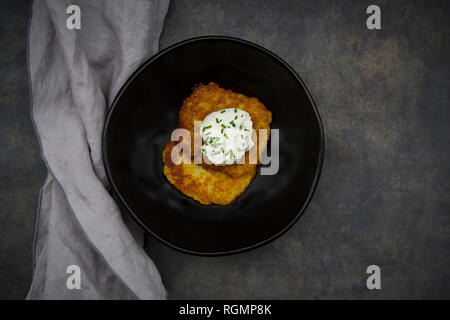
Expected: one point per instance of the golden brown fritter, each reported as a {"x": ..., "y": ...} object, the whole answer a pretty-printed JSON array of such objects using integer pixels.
[
  {"x": 208, "y": 183},
  {"x": 209, "y": 98},
  {"x": 205, "y": 186}
]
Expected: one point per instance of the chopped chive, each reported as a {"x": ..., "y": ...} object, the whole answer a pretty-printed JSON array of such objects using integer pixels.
[
  {"x": 235, "y": 110},
  {"x": 240, "y": 127},
  {"x": 225, "y": 135},
  {"x": 218, "y": 121},
  {"x": 235, "y": 117},
  {"x": 207, "y": 127},
  {"x": 223, "y": 126},
  {"x": 232, "y": 123},
  {"x": 222, "y": 111}
]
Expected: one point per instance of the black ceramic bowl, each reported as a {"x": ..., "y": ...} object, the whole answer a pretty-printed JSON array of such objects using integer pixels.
[{"x": 145, "y": 112}]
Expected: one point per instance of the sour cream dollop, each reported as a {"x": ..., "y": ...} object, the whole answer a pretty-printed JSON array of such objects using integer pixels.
[{"x": 226, "y": 135}]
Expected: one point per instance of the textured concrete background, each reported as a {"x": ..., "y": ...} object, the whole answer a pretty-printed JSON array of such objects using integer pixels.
[
  {"x": 22, "y": 171},
  {"x": 383, "y": 195}
]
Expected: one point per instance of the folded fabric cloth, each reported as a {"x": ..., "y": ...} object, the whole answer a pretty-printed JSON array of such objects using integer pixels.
[{"x": 75, "y": 74}]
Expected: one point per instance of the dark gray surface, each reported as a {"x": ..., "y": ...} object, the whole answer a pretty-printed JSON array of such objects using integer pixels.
[
  {"x": 383, "y": 195},
  {"x": 22, "y": 171}
]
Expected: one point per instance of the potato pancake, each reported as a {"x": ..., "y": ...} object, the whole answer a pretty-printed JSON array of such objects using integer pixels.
[
  {"x": 205, "y": 186},
  {"x": 209, "y": 98}
]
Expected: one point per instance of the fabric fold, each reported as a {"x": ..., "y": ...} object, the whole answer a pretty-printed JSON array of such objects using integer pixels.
[{"x": 74, "y": 76}]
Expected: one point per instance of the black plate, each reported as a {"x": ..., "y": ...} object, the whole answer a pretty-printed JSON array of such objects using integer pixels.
[{"x": 145, "y": 112}]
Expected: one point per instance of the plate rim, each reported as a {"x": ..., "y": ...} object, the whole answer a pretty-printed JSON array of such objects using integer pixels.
[{"x": 147, "y": 62}]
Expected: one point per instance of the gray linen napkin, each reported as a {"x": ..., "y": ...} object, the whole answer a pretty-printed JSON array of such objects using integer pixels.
[{"x": 75, "y": 75}]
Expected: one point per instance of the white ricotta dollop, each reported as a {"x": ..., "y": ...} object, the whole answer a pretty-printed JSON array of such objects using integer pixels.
[{"x": 226, "y": 135}]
